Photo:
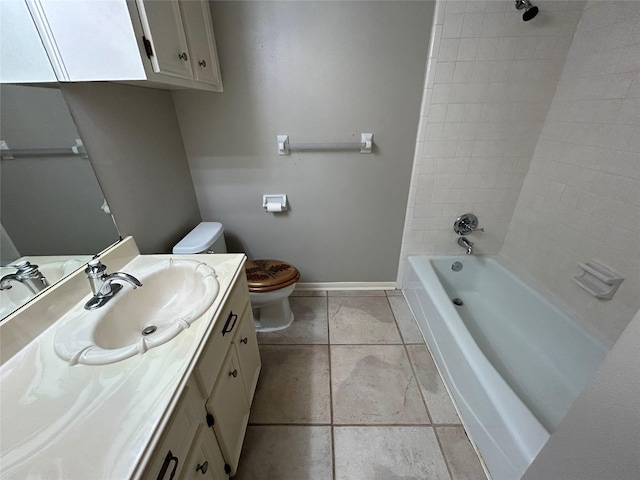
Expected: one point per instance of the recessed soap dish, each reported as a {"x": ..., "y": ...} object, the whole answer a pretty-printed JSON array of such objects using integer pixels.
[{"x": 598, "y": 280}]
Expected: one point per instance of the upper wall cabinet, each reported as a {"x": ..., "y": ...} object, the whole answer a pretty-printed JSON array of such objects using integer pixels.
[
  {"x": 166, "y": 44},
  {"x": 22, "y": 56}
]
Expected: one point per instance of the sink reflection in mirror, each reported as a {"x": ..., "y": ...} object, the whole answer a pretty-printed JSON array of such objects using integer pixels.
[
  {"x": 53, "y": 268},
  {"x": 50, "y": 199},
  {"x": 174, "y": 294}
]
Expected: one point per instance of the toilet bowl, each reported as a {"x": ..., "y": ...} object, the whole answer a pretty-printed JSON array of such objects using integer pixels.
[{"x": 270, "y": 282}]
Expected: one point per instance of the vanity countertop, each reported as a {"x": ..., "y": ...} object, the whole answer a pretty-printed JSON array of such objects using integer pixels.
[{"x": 96, "y": 421}]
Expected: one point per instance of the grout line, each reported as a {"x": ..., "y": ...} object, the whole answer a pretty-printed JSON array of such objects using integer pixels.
[
  {"x": 334, "y": 345},
  {"x": 333, "y": 441},
  {"x": 413, "y": 369},
  {"x": 383, "y": 425},
  {"x": 325, "y": 424},
  {"x": 444, "y": 457},
  {"x": 284, "y": 424}
]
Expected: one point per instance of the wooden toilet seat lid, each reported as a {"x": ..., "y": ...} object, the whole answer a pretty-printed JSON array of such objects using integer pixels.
[{"x": 269, "y": 275}]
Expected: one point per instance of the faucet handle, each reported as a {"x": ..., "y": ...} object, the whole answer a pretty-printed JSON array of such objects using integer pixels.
[
  {"x": 465, "y": 224},
  {"x": 95, "y": 268}
]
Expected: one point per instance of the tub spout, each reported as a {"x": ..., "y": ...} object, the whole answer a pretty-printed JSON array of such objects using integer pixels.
[{"x": 464, "y": 243}]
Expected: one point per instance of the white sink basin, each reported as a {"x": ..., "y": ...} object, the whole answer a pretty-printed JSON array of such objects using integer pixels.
[
  {"x": 16, "y": 296},
  {"x": 174, "y": 294}
]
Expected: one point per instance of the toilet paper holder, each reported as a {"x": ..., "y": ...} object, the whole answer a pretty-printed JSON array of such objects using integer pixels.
[{"x": 274, "y": 202}]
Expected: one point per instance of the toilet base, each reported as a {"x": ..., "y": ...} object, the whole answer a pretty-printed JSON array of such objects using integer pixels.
[
  {"x": 271, "y": 310},
  {"x": 274, "y": 317}
]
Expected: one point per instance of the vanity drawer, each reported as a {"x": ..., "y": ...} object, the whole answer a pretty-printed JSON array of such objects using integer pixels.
[{"x": 223, "y": 333}]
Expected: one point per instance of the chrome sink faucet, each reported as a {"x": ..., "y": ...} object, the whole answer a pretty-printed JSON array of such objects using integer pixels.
[
  {"x": 102, "y": 284},
  {"x": 464, "y": 243},
  {"x": 28, "y": 275}
]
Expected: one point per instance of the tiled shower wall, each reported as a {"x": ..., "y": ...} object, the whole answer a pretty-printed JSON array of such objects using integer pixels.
[
  {"x": 490, "y": 80},
  {"x": 581, "y": 198}
]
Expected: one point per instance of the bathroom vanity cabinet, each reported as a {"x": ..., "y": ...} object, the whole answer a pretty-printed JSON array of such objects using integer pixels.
[
  {"x": 165, "y": 44},
  {"x": 205, "y": 433},
  {"x": 177, "y": 411}
]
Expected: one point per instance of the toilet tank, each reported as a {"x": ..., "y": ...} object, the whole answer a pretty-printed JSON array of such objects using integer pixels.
[{"x": 207, "y": 237}]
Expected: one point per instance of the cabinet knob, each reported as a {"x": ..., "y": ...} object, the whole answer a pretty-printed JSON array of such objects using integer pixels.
[
  {"x": 233, "y": 374},
  {"x": 202, "y": 63},
  {"x": 244, "y": 340},
  {"x": 183, "y": 56},
  {"x": 202, "y": 468}
]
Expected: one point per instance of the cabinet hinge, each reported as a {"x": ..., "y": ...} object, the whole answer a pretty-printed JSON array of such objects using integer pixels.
[
  {"x": 210, "y": 421},
  {"x": 147, "y": 47}
]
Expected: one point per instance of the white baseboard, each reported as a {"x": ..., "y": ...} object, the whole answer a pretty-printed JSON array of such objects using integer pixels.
[{"x": 345, "y": 286}]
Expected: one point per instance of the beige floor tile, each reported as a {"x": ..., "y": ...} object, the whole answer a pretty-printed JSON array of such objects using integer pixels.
[
  {"x": 356, "y": 293},
  {"x": 393, "y": 293},
  {"x": 374, "y": 384},
  {"x": 405, "y": 320},
  {"x": 286, "y": 453},
  {"x": 309, "y": 293},
  {"x": 438, "y": 401},
  {"x": 459, "y": 454},
  {"x": 310, "y": 324},
  {"x": 385, "y": 453},
  {"x": 361, "y": 320},
  {"x": 293, "y": 385}
]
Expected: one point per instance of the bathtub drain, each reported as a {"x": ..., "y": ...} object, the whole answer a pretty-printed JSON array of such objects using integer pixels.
[
  {"x": 458, "y": 302},
  {"x": 149, "y": 330},
  {"x": 456, "y": 266}
]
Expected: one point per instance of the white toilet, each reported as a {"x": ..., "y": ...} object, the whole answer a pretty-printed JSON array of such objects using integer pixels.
[{"x": 270, "y": 282}]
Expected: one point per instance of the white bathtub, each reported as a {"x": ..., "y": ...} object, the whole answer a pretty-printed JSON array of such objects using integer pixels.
[{"x": 512, "y": 361}]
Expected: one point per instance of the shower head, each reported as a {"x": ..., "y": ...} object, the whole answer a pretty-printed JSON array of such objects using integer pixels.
[{"x": 529, "y": 10}]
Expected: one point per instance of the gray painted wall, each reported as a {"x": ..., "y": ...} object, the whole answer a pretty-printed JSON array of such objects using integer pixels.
[
  {"x": 134, "y": 143},
  {"x": 320, "y": 72},
  {"x": 600, "y": 436}
]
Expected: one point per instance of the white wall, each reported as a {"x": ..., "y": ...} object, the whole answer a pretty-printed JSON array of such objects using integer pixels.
[
  {"x": 490, "y": 81},
  {"x": 320, "y": 72},
  {"x": 581, "y": 197},
  {"x": 600, "y": 436}
]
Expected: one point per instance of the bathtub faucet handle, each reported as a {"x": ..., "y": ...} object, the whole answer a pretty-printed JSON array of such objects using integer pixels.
[{"x": 465, "y": 224}]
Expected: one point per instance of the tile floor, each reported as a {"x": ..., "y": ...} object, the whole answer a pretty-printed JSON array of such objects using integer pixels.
[{"x": 350, "y": 392}]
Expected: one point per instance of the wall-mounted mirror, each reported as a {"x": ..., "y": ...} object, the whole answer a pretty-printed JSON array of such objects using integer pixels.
[{"x": 52, "y": 210}]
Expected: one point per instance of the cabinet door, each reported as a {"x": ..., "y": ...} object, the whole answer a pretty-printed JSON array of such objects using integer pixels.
[
  {"x": 171, "y": 452},
  {"x": 22, "y": 55},
  {"x": 246, "y": 344},
  {"x": 205, "y": 460},
  {"x": 201, "y": 41},
  {"x": 162, "y": 26},
  {"x": 88, "y": 41},
  {"x": 228, "y": 404}
]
